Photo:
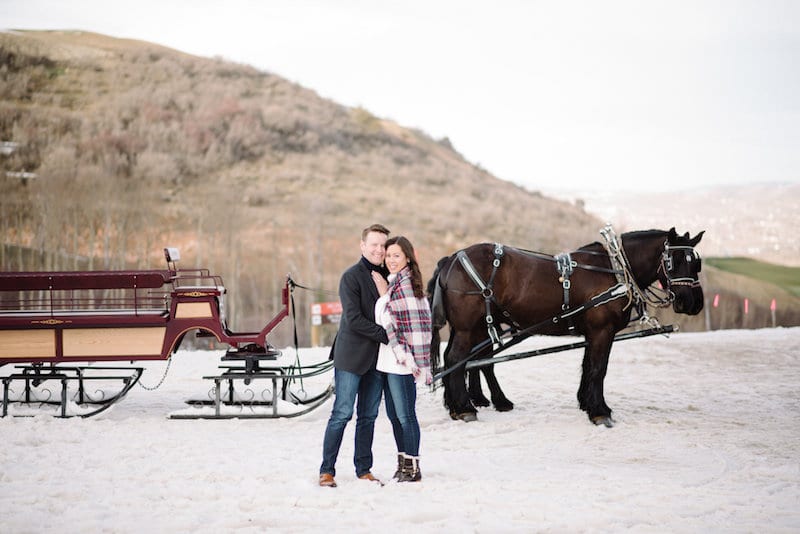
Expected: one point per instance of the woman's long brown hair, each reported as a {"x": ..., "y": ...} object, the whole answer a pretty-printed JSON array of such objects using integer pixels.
[{"x": 408, "y": 249}]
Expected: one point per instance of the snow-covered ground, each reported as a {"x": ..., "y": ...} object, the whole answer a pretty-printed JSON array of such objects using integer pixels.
[{"x": 707, "y": 440}]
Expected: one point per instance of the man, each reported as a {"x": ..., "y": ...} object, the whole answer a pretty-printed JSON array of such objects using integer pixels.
[{"x": 355, "y": 354}]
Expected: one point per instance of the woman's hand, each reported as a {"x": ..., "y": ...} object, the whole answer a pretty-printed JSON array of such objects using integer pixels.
[
  {"x": 380, "y": 283},
  {"x": 423, "y": 375}
]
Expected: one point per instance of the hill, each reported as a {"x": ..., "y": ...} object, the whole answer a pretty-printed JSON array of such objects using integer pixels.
[
  {"x": 782, "y": 276},
  {"x": 117, "y": 148},
  {"x": 122, "y": 147}
]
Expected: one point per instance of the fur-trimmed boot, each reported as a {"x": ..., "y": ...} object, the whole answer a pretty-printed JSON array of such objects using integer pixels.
[
  {"x": 400, "y": 456},
  {"x": 410, "y": 472}
]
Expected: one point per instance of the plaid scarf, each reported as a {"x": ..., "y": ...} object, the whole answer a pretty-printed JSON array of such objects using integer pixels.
[{"x": 411, "y": 319}]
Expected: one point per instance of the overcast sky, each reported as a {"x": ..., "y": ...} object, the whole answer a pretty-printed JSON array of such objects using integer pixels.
[{"x": 581, "y": 95}]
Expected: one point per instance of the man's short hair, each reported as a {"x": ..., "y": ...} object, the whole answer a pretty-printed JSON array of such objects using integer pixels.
[{"x": 374, "y": 228}]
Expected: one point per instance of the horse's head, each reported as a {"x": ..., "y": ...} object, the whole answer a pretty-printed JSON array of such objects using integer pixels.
[{"x": 680, "y": 270}]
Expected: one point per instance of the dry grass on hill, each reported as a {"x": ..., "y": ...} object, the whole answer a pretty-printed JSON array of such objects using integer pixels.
[{"x": 136, "y": 147}]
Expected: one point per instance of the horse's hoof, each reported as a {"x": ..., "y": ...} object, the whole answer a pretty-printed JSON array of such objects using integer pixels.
[
  {"x": 481, "y": 402},
  {"x": 468, "y": 417},
  {"x": 603, "y": 420},
  {"x": 504, "y": 406}
]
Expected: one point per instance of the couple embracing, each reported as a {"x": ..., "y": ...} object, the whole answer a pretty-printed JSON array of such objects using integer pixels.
[{"x": 382, "y": 348}]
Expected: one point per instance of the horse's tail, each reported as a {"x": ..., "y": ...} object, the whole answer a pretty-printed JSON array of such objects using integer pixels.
[{"x": 438, "y": 314}]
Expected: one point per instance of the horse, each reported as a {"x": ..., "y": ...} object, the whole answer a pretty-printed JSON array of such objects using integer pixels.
[{"x": 590, "y": 292}]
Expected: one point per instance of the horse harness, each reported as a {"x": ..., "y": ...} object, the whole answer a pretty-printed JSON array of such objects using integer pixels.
[
  {"x": 486, "y": 291},
  {"x": 565, "y": 265}
]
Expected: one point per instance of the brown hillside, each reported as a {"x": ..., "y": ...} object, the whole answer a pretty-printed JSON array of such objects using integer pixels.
[{"x": 135, "y": 147}]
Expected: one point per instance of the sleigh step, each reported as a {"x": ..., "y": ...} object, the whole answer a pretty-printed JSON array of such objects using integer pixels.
[
  {"x": 277, "y": 399},
  {"x": 242, "y": 409}
]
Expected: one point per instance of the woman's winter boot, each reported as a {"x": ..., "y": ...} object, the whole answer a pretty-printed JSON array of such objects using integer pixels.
[
  {"x": 397, "y": 473},
  {"x": 410, "y": 472}
]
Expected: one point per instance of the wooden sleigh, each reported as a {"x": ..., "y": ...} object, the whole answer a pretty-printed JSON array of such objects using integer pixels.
[{"x": 56, "y": 326}]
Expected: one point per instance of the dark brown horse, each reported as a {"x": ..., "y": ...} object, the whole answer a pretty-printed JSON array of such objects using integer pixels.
[{"x": 534, "y": 293}]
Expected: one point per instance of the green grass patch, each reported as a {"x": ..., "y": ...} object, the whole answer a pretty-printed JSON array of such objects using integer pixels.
[{"x": 782, "y": 276}]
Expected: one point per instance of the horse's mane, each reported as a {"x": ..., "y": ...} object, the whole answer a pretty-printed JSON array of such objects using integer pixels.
[{"x": 644, "y": 233}]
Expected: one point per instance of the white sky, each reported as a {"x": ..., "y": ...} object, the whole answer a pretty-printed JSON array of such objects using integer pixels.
[{"x": 584, "y": 95}]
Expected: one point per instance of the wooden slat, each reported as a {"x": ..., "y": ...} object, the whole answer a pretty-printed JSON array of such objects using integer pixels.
[
  {"x": 25, "y": 344},
  {"x": 87, "y": 342},
  {"x": 193, "y": 310}
]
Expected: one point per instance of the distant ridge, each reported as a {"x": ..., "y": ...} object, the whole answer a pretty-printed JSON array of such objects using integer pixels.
[{"x": 759, "y": 221}]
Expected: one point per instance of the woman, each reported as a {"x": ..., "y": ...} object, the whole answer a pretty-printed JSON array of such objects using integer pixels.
[{"x": 404, "y": 312}]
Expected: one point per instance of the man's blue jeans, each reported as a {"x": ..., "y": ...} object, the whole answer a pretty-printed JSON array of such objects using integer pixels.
[
  {"x": 401, "y": 399},
  {"x": 367, "y": 388}
]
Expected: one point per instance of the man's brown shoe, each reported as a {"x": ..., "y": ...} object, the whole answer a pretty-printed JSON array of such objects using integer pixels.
[
  {"x": 326, "y": 480},
  {"x": 370, "y": 477}
]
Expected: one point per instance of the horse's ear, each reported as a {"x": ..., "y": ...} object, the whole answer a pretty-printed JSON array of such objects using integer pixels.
[
  {"x": 697, "y": 238},
  {"x": 672, "y": 235}
]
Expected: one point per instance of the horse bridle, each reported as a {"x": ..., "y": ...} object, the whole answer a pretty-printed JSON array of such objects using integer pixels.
[{"x": 667, "y": 266}]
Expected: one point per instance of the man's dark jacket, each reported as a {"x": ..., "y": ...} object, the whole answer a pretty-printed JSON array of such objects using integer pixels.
[{"x": 356, "y": 346}]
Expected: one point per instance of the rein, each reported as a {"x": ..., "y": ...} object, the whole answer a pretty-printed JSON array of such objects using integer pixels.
[
  {"x": 637, "y": 296},
  {"x": 665, "y": 296}
]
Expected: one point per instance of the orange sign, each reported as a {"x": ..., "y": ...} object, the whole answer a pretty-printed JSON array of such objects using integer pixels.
[
  {"x": 326, "y": 312},
  {"x": 326, "y": 308}
]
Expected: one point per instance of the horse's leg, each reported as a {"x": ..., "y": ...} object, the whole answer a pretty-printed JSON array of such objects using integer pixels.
[
  {"x": 501, "y": 403},
  {"x": 446, "y": 381},
  {"x": 583, "y": 404},
  {"x": 595, "y": 364},
  {"x": 458, "y": 397},
  {"x": 475, "y": 390}
]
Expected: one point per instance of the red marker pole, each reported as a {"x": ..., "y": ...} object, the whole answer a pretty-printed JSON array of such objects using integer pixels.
[
  {"x": 746, "y": 311},
  {"x": 715, "y": 303},
  {"x": 772, "y": 307}
]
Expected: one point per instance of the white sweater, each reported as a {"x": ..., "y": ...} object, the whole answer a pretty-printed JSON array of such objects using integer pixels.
[{"x": 387, "y": 361}]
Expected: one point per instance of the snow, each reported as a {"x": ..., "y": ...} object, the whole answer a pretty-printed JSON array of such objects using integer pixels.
[{"x": 707, "y": 439}]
